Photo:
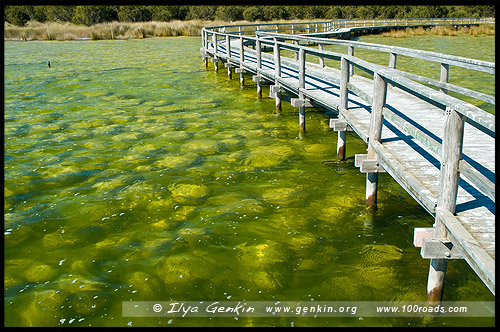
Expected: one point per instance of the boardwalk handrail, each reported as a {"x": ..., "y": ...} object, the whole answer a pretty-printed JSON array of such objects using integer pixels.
[
  {"x": 324, "y": 26},
  {"x": 444, "y": 59},
  {"x": 474, "y": 64},
  {"x": 470, "y": 113},
  {"x": 474, "y": 114}
]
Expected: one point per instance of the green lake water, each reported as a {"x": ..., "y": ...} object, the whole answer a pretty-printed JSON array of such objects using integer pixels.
[{"x": 134, "y": 173}]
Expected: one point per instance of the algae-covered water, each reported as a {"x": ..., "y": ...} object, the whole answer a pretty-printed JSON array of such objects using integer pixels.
[{"x": 134, "y": 173}]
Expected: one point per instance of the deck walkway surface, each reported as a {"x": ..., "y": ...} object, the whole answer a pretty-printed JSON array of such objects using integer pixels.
[{"x": 413, "y": 165}]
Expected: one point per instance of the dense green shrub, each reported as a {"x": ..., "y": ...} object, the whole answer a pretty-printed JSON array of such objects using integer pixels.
[
  {"x": 134, "y": 14},
  {"x": 253, "y": 13},
  {"x": 58, "y": 13},
  {"x": 229, "y": 13},
  {"x": 168, "y": 13},
  {"x": 201, "y": 13},
  {"x": 90, "y": 15},
  {"x": 17, "y": 15}
]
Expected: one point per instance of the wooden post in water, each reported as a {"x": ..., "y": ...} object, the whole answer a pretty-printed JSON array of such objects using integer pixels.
[
  {"x": 259, "y": 66},
  {"x": 344, "y": 80},
  {"x": 242, "y": 57},
  {"x": 228, "y": 48},
  {"x": 277, "y": 65},
  {"x": 376, "y": 120},
  {"x": 449, "y": 177},
  {"x": 302, "y": 84},
  {"x": 444, "y": 75}
]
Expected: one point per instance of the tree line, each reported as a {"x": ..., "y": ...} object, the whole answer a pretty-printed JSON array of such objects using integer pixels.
[{"x": 90, "y": 15}]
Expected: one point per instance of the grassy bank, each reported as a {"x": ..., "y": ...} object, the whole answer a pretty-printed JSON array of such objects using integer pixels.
[
  {"x": 112, "y": 30},
  {"x": 134, "y": 30},
  {"x": 445, "y": 30}
]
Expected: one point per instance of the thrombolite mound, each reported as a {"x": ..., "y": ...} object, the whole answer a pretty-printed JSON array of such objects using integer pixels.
[
  {"x": 204, "y": 147},
  {"x": 178, "y": 161},
  {"x": 43, "y": 309},
  {"x": 147, "y": 285},
  {"x": 285, "y": 195},
  {"x": 184, "y": 269},
  {"x": 268, "y": 156},
  {"x": 40, "y": 273},
  {"x": 380, "y": 253},
  {"x": 188, "y": 193},
  {"x": 264, "y": 265}
]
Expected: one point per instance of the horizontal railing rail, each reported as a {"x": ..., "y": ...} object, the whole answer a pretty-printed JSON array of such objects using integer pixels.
[
  {"x": 474, "y": 64},
  {"x": 444, "y": 59},
  {"x": 324, "y": 26}
]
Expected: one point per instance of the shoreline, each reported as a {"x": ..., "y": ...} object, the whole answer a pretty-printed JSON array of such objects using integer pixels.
[
  {"x": 35, "y": 31},
  {"x": 481, "y": 30},
  {"x": 115, "y": 30}
]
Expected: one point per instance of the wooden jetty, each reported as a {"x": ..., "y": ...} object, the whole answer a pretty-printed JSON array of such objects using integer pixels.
[{"x": 440, "y": 149}]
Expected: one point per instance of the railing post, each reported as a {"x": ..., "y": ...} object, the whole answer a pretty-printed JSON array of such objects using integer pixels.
[
  {"x": 444, "y": 75},
  {"x": 242, "y": 58},
  {"x": 451, "y": 155},
  {"x": 296, "y": 56},
  {"x": 376, "y": 121},
  {"x": 449, "y": 178},
  {"x": 216, "y": 62},
  {"x": 302, "y": 84},
  {"x": 259, "y": 66},
  {"x": 204, "y": 43},
  {"x": 350, "y": 51},
  {"x": 392, "y": 62},
  {"x": 277, "y": 71},
  {"x": 321, "y": 59},
  {"x": 344, "y": 80},
  {"x": 228, "y": 48},
  {"x": 344, "y": 91}
]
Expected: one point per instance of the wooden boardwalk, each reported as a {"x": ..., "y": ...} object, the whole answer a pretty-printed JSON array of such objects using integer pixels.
[{"x": 412, "y": 132}]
